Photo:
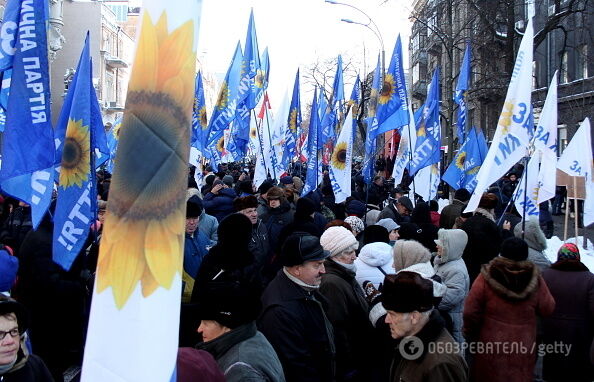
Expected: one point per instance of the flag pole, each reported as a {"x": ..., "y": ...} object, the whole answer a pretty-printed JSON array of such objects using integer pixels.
[
  {"x": 270, "y": 139},
  {"x": 577, "y": 210},
  {"x": 410, "y": 153},
  {"x": 525, "y": 196}
]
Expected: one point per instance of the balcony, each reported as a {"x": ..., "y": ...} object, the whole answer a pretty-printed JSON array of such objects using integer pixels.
[
  {"x": 115, "y": 62},
  {"x": 419, "y": 56},
  {"x": 419, "y": 89}
]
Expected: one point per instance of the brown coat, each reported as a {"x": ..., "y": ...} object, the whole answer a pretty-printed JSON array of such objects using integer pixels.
[
  {"x": 439, "y": 365},
  {"x": 500, "y": 315}
]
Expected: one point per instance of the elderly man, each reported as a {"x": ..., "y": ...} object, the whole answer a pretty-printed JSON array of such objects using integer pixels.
[
  {"x": 294, "y": 317},
  {"x": 427, "y": 350},
  {"x": 16, "y": 364},
  {"x": 398, "y": 210}
]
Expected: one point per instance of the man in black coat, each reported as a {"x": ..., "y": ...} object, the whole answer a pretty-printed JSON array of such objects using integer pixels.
[{"x": 293, "y": 318}]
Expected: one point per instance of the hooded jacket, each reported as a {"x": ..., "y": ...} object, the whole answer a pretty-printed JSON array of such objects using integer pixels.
[
  {"x": 537, "y": 243},
  {"x": 208, "y": 225},
  {"x": 372, "y": 257},
  {"x": 454, "y": 275},
  {"x": 501, "y": 308}
]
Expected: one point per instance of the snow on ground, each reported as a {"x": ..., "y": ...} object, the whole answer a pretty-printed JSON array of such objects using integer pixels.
[{"x": 587, "y": 255}]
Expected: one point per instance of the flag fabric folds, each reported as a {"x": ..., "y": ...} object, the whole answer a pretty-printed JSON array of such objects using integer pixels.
[
  {"x": 340, "y": 163},
  {"x": 545, "y": 141},
  {"x": 576, "y": 160},
  {"x": 112, "y": 143},
  {"x": 28, "y": 141},
  {"x": 408, "y": 142},
  {"x": 137, "y": 294},
  {"x": 426, "y": 182},
  {"x": 526, "y": 193},
  {"x": 313, "y": 159},
  {"x": 293, "y": 123},
  {"x": 514, "y": 127},
  {"x": 199, "y": 116},
  {"x": 392, "y": 110},
  {"x": 428, "y": 145},
  {"x": 333, "y": 109},
  {"x": 460, "y": 94},
  {"x": 370, "y": 144},
  {"x": 461, "y": 173},
  {"x": 76, "y": 205},
  {"x": 4, "y": 93}
]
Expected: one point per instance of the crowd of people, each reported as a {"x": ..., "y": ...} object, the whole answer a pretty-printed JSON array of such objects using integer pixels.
[{"x": 277, "y": 286}]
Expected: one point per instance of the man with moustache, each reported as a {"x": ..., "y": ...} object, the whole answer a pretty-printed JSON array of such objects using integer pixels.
[{"x": 294, "y": 318}]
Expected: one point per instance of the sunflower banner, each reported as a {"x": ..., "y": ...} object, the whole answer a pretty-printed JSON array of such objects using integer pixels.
[
  {"x": 461, "y": 173},
  {"x": 392, "y": 110},
  {"x": 408, "y": 141},
  {"x": 370, "y": 144},
  {"x": 340, "y": 163},
  {"x": 76, "y": 205},
  {"x": 134, "y": 322},
  {"x": 312, "y": 176},
  {"x": 294, "y": 124}
]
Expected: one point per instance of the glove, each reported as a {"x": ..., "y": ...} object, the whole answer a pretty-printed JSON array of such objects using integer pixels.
[{"x": 373, "y": 297}]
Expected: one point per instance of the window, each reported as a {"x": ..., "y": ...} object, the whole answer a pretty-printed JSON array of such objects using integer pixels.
[
  {"x": 563, "y": 78},
  {"x": 415, "y": 42},
  {"x": 534, "y": 78},
  {"x": 416, "y": 72},
  {"x": 431, "y": 24},
  {"x": 581, "y": 62}
]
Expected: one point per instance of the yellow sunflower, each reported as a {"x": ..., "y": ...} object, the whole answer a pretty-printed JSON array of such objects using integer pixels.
[
  {"x": 223, "y": 96},
  {"x": 143, "y": 235},
  {"x": 293, "y": 120},
  {"x": 388, "y": 89},
  {"x": 253, "y": 133},
  {"x": 506, "y": 115},
  {"x": 421, "y": 131},
  {"x": 260, "y": 78},
  {"x": 461, "y": 160},
  {"x": 221, "y": 144},
  {"x": 473, "y": 170},
  {"x": 202, "y": 117},
  {"x": 76, "y": 155},
  {"x": 339, "y": 156}
]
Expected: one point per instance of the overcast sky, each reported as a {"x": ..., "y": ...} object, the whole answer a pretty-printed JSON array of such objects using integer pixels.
[{"x": 300, "y": 32}]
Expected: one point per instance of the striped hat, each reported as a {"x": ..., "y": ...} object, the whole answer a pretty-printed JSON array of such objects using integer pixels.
[{"x": 568, "y": 251}]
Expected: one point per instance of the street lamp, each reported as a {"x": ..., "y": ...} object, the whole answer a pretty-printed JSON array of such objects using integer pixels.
[{"x": 370, "y": 21}]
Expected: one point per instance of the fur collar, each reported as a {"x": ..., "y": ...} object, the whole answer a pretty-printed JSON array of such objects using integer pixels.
[
  {"x": 486, "y": 213},
  {"x": 513, "y": 280}
]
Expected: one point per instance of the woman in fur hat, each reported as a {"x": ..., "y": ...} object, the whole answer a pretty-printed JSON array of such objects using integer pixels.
[{"x": 501, "y": 310}]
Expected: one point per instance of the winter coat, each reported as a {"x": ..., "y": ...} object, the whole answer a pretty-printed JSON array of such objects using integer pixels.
[
  {"x": 275, "y": 219},
  {"x": 501, "y": 308},
  {"x": 391, "y": 212},
  {"x": 435, "y": 216},
  {"x": 348, "y": 313},
  {"x": 448, "y": 215},
  {"x": 372, "y": 256},
  {"x": 208, "y": 225},
  {"x": 15, "y": 228},
  {"x": 537, "y": 243},
  {"x": 295, "y": 323},
  {"x": 244, "y": 354},
  {"x": 572, "y": 322},
  {"x": 221, "y": 204},
  {"x": 27, "y": 368},
  {"x": 195, "y": 249},
  {"x": 260, "y": 247},
  {"x": 445, "y": 366},
  {"x": 454, "y": 275},
  {"x": 484, "y": 242}
]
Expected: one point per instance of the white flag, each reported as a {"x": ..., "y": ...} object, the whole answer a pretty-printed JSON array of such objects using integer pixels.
[
  {"x": 526, "y": 193},
  {"x": 545, "y": 140},
  {"x": 408, "y": 140},
  {"x": 427, "y": 181},
  {"x": 341, "y": 160},
  {"x": 514, "y": 127},
  {"x": 577, "y": 161}
]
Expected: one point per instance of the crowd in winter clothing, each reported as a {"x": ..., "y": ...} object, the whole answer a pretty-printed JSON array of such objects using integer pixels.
[{"x": 279, "y": 286}]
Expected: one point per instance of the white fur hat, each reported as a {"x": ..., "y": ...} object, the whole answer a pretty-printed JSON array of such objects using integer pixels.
[{"x": 337, "y": 239}]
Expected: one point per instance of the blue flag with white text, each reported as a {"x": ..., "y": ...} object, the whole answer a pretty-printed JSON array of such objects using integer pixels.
[
  {"x": 293, "y": 124},
  {"x": 392, "y": 110},
  {"x": 28, "y": 140},
  {"x": 353, "y": 103},
  {"x": 462, "y": 171},
  {"x": 335, "y": 106},
  {"x": 313, "y": 159},
  {"x": 427, "y": 150},
  {"x": 369, "y": 161},
  {"x": 460, "y": 94},
  {"x": 199, "y": 116},
  {"x": 76, "y": 205}
]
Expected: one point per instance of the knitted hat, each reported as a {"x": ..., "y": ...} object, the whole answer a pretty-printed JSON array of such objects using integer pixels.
[
  {"x": 488, "y": 201},
  {"x": 356, "y": 207},
  {"x": 407, "y": 292},
  {"x": 245, "y": 202},
  {"x": 338, "y": 239},
  {"x": 228, "y": 180},
  {"x": 301, "y": 247},
  {"x": 194, "y": 207},
  {"x": 409, "y": 252},
  {"x": 375, "y": 233},
  {"x": 388, "y": 224},
  {"x": 568, "y": 251},
  {"x": 515, "y": 249},
  {"x": 356, "y": 223}
]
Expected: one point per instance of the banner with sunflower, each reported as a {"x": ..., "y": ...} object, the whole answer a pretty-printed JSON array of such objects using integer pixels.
[
  {"x": 342, "y": 158},
  {"x": 134, "y": 323}
]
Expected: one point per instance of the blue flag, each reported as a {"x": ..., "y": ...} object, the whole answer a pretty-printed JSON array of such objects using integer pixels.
[
  {"x": 353, "y": 103},
  {"x": 427, "y": 151},
  {"x": 369, "y": 161},
  {"x": 199, "y": 116},
  {"x": 261, "y": 80},
  {"x": 251, "y": 65},
  {"x": 77, "y": 204},
  {"x": 334, "y": 108},
  {"x": 462, "y": 171},
  {"x": 313, "y": 160},
  {"x": 112, "y": 143},
  {"x": 293, "y": 124},
  {"x": 4, "y": 93},
  {"x": 224, "y": 111},
  {"x": 392, "y": 110},
  {"x": 28, "y": 141},
  {"x": 460, "y": 93}
]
